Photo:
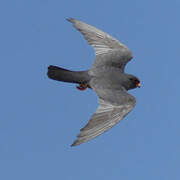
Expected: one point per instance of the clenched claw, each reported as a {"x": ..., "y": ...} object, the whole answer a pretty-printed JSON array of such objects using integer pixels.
[{"x": 82, "y": 87}]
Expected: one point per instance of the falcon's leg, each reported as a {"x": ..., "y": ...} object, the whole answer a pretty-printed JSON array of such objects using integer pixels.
[{"x": 82, "y": 87}]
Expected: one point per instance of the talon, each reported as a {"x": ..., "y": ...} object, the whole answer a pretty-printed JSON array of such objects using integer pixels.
[{"x": 81, "y": 87}]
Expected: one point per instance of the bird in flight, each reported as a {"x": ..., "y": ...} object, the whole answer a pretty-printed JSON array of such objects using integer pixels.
[{"x": 106, "y": 77}]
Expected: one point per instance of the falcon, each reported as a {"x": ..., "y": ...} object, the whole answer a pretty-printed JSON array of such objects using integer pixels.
[{"x": 106, "y": 77}]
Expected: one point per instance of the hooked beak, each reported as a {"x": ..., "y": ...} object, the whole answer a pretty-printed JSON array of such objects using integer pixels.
[{"x": 138, "y": 85}]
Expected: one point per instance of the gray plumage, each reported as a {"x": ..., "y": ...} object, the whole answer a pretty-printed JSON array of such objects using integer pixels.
[{"x": 106, "y": 77}]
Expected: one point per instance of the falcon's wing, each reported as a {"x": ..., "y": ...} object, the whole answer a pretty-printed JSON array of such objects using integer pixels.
[
  {"x": 113, "y": 106},
  {"x": 108, "y": 50}
]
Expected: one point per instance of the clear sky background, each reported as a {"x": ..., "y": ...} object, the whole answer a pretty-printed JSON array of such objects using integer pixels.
[{"x": 40, "y": 118}]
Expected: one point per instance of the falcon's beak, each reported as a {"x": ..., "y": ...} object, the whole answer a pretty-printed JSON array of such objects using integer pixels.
[{"x": 138, "y": 85}]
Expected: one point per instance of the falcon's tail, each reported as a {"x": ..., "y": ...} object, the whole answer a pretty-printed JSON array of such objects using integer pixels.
[{"x": 65, "y": 75}]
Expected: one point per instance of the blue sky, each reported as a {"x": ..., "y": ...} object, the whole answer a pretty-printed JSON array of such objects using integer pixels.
[{"x": 40, "y": 118}]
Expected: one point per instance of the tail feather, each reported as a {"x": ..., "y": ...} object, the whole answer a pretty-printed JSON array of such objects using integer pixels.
[{"x": 65, "y": 75}]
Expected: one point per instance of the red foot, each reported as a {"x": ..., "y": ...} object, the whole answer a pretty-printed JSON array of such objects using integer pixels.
[{"x": 81, "y": 87}]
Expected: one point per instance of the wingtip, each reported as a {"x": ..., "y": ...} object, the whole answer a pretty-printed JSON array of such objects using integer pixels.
[
  {"x": 74, "y": 144},
  {"x": 70, "y": 19}
]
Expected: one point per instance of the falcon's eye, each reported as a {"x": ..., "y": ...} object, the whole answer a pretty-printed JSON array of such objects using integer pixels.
[{"x": 134, "y": 80}]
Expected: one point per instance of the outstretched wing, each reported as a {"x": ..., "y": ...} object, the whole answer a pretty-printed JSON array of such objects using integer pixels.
[
  {"x": 108, "y": 50},
  {"x": 113, "y": 106}
]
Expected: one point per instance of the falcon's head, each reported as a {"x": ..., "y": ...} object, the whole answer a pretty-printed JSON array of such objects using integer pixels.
[
  {"x": 131, "y": 82},
  {"x": 134, "y": 82}
]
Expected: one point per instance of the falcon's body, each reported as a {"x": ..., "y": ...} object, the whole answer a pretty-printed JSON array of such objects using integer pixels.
[{"x": 106, "y": 77}]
